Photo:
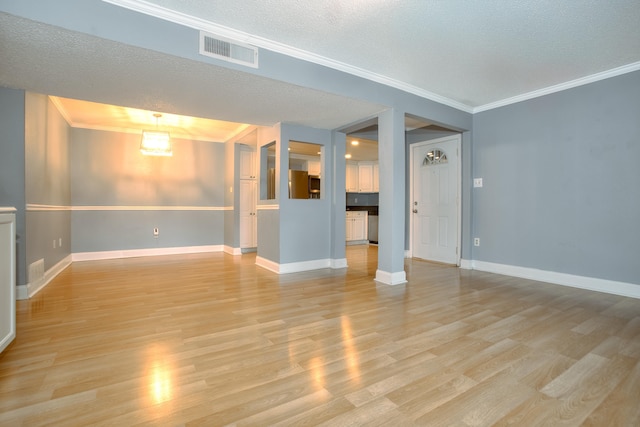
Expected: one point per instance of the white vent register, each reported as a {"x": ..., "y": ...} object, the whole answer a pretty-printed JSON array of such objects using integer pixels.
[{"x": 228, "y": 50}]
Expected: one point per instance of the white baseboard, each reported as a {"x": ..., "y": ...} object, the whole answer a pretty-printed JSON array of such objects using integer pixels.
[
  {"x": 267, "y": 264},
  {"x": 387, "y": 278},
  {"x": 582, "y": 282},
  {"x": 339, "y": 263},
  {"x": 232, "y": 251},
  {"x": 293, "y": 267},
  {"x": 30, "y": 289},
  {"x": 466, "y": 264},
  {"x": 132, "y": 253}
]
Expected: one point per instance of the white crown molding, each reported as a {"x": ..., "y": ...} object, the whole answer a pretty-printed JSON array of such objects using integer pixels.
[
  {"x": 159, "y": 12},
  {"x": 560, "y": 87}
]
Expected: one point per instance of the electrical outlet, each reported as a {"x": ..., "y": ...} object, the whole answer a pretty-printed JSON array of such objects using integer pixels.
[
  {"x": 156, "y": 232},
  {"x": 477, "y": 182},
  {"x": 54, "y": 243},
  {"x": 60, "y": 242},
  {"x": 476, "y": 241}
]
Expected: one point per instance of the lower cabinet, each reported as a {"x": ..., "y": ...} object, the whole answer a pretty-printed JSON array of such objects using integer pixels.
[{"x": 356, "y": 229}]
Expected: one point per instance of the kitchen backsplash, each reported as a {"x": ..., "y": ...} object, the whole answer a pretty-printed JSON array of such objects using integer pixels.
[{"x": 362, "y": 199}]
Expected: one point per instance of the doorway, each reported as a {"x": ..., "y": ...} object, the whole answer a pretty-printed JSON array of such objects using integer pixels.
[{"x": 435, "y": 189}]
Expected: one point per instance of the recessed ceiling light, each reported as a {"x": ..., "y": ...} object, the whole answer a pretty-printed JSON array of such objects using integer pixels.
[
  {"x": 354, "y": 142},
  {"x": 347, "y": 156}
]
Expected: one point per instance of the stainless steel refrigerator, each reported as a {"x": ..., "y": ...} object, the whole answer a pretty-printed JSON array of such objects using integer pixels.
[{"x": 298, "y": 184}]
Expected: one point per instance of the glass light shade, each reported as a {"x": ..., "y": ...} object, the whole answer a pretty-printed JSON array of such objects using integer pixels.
[{"x": 155, "y": 144}]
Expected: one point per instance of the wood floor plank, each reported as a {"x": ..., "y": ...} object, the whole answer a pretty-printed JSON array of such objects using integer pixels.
[{"x": 212, "y": 339}]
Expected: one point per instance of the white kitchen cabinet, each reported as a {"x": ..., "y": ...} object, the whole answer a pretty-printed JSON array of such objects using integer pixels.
[
  {"x": 376, "y": 178},
  {"x": 365, "y": 178},
  {"x": 356, "y": 227},
  {"x": 352, "y": 178},
  {"x": 7, "y": 277},
  {"x": 314, "y": 167},
  {"x": 247, "y": 163}
]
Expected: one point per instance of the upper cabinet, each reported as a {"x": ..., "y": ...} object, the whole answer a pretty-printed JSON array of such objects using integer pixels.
[
  {"x": 314, "y": 167},
  {"x": 247, "y": 163},
  {"x": 351, "y": 185},
  {"x": 376, "y": 178},
  {"x": 362, "y": 177},
  {"x": 365, "y": 178}
]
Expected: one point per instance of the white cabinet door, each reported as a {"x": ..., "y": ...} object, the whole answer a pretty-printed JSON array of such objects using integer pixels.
[
  {"x": 356, "y": 226},
  {"x": 365, "y": 178},
  {"x": 360, "y": 226},
  {"x": 352, "y": 178},
  {"x": 376, "y": 178},
  {"x": 248, "y": 218},
  {"x": 7, "y": 279},
  {"x": 247, "y": 163},
  {"x": 314, "y": 167}
]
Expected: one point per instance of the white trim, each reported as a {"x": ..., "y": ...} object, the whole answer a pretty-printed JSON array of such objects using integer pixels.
[
  {"x": 629, "y": 68},
  {"x": 22, "y": 292},
  {"x": 407, "y": 253},
  {"x": 293, "y": 267},
  {"x": 267, "y": 207},
  {"x": 31, "y": 207},
  {"x": 231, "y": 250},
  {"x": 7, "y": 210},
  {"x": 387, "y": 278},
  {"x": 261, "y": 42},
  {"x": 132, "y": 253},
  {"x": 267, "y": 264},
  {"x": 338, "y": 263},
  {"x": 466, "y": 264},
  {"x": 151, "y": 208},
  {"x": 30, "y": 289},
  {"x": 458, "y": 145},
  {"x": 582, "y": 282}
]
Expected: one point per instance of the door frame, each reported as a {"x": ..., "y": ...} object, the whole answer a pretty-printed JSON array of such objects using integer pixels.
[{"x": 412, "y": 147}]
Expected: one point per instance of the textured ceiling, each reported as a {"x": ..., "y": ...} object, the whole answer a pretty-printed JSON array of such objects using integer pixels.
[
  {"x": 471, "y": 52},
  {"x": 54, "y": 61}
]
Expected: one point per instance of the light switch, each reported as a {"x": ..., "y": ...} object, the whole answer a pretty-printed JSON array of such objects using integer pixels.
[{"x": 477, "y": 182}]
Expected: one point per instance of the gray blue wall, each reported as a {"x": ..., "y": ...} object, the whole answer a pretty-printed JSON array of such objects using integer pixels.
[
  {"x": 12, "y": 168},
  {"x": 47, "y": 189},
  {"x": 561, "y": 175},
  {"x": 119, "y": 195}
]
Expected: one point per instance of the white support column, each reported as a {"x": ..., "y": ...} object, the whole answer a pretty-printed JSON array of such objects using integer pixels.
[{"x": 391, "y": 154}]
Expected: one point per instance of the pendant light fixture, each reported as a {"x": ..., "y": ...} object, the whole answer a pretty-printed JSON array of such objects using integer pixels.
[{"x": 156, "y": 143}]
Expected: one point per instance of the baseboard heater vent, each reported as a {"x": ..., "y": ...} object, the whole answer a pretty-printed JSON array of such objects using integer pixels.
[
  {"x": 36, "y": 272},
  {"x": 228, "y": 50}
]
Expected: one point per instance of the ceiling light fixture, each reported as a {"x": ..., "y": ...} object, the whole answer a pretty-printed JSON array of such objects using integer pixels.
[
  {"x": 156, "y": 143},
  {"x": 354, "y": 142},
  {"x": 347, "y": 156}
]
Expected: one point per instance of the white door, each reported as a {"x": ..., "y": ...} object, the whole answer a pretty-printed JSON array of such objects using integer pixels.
[
  {"x": 435, "y": 190},
  {"x": 248, "y": 218},
  {"x": 247, "y": 163}
]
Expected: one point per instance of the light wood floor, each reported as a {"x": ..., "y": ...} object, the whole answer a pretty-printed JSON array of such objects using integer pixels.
[{"x": 211, "y": 339}]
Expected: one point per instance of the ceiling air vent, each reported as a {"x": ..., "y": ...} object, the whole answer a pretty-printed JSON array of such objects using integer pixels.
[{"x": 227, "y": 50}]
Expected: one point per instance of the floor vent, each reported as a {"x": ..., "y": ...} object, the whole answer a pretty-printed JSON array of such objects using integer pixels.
[
  {"x": 36, "y": 272},
  {"x": 227, "y": 50}
]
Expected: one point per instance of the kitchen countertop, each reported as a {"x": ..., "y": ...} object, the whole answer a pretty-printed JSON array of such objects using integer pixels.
[{"x": 372, "y": 210}]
